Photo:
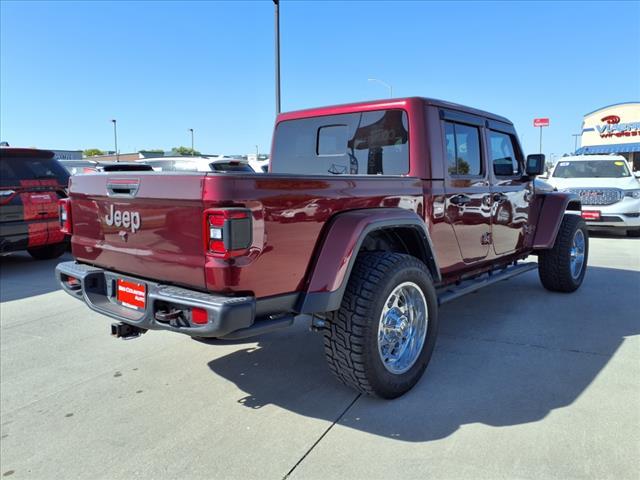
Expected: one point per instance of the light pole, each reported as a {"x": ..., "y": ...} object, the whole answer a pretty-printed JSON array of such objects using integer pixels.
[
  {"x": 257, "y": 152},
  {"x": 276, "y": 4},
  {"x": 575, "y": 141},
  {"x": 383, "y": 83},
  {"x": 193, "y": 152},
  {"x": 115, "y": 139}
]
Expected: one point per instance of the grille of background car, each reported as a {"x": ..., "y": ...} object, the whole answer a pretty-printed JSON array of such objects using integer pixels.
[{"x": 598, "y": 196}]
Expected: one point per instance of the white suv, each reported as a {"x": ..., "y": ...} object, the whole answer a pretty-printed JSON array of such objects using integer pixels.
[{"x": 609, "y": 192}]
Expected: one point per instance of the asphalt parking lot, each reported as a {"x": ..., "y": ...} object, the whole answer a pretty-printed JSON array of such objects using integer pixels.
[{"x": 523, "y": 384}]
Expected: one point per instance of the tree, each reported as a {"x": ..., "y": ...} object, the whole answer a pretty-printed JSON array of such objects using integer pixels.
[
  {"x": 92, "y": 152},
  {"x": 184, "y": 151}
]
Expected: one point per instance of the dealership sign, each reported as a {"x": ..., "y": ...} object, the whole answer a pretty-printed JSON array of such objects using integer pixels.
[
  {"x": 612, "y": 127},
  {"x": 540, "y": 122}
]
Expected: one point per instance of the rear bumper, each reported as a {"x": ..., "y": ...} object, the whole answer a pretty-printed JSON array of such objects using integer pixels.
[{"x": 97, "y": 288}]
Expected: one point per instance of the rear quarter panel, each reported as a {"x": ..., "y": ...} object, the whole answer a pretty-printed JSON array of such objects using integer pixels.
[{"x": 290, "y": 216}]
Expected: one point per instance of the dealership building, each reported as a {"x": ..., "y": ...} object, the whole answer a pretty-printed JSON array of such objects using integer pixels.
[{"x": 614, "y": 129}]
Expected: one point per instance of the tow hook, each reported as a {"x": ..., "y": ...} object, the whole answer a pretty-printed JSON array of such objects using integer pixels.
[{"x": 126, "y": 331}]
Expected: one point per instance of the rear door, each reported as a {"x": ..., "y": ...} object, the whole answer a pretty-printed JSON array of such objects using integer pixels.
[
  {"x": 467, "y": 195},
  {"x": 511, "y": 191}
]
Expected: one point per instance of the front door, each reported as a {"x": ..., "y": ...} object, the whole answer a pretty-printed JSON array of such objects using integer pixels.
[
  {"x": 467, "y": 193},
  {"x": 511, "y": 192}
]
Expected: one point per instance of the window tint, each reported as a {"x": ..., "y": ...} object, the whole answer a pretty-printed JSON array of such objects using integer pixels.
[
  {"x": 332, "y": 140},
  {"x": 231, "y": 167},
  {"x": 367, "y": 143},
  {"x": 29, "y": 168},
  {"x": 462, "y": 143},
  {"x": 503, "y": 154}
]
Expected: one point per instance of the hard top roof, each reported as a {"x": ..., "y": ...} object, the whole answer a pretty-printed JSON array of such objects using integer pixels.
[
  {"x": 25, "y": 152},
  {"x": 386, "y": 104}
]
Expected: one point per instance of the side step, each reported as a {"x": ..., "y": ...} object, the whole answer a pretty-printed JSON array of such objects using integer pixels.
[
  {"x": 451, "y": 292},
  {"x": 260, "y": 327}
]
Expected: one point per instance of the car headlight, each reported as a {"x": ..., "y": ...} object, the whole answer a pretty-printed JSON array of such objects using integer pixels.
[{"x": 632, "y": 193}]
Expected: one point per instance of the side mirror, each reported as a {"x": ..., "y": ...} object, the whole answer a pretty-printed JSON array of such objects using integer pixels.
[
  {"x": 637, "y": 174},
  {"x": 535, "y": 164}
]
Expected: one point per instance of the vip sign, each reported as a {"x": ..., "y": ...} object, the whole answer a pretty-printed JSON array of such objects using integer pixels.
[{"x": 611, "y": 127}]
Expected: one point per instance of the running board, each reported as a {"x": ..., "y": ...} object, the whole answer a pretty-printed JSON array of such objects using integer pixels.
[{"x": 451, "y": 292}]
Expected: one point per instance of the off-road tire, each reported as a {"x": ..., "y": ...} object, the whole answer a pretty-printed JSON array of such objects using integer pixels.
[
  {"x": 47, "y": 252},
  {"x": 554, "y": 265},
  {"x": 351, "y": 332},
  {"x": 633, "y": 232}
]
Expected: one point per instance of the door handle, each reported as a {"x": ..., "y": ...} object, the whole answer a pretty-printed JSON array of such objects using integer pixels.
[{"x": 460, "y": 199}]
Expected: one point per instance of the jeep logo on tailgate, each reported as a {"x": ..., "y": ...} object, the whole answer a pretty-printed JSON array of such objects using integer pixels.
[{"x": 123, "y": 218}]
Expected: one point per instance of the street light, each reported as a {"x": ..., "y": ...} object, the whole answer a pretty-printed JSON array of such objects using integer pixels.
[
  {"x": 193, "y": 152},
  {"x": 115, "y": 139},
  {"x": 383, "y": 83}
]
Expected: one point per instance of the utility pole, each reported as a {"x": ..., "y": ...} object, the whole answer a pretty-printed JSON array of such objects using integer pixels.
[
  {"x": 115, "y": 140},
  {"x": 257, "y": 152},
  {"x": 193, "y": 152},
  {"x": 575, "y": 142},
  {"x": 276, "y": 4}
]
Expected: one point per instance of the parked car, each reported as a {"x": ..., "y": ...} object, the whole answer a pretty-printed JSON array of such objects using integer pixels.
[
  {"x": 609, "y": 192},
  {"x": 260, "y": 166},
  {"x": 199, "y": 164},
  {"x": 76, "y": 167},
  {"x": 373, "y": 215},
  {"x": 31, "y": 183}
]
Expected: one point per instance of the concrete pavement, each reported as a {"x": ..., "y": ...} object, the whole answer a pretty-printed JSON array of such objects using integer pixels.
[{"x": 523, "y": 384}]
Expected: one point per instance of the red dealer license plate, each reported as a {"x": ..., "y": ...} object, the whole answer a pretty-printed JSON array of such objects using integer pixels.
[
  {"x": 131, "y": 294},
  {"x": 591, "y": 214}
]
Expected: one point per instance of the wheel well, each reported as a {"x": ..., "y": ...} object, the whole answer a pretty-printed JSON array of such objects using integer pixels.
[
  {"x": 407, "y": 240},
  {"x": 574, "y": 206}
]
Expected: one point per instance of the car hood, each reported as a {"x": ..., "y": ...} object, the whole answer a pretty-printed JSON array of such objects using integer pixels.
[{"x": 624, "y": 183}]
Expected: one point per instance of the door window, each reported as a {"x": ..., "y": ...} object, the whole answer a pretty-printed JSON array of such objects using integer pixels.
[
  {"x": 503, "y": 155},
  {"x": 462, "y": 143}
]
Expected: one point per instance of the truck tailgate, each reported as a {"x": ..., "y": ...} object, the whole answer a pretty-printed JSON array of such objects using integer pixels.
[{"x": 143, "y": 224}]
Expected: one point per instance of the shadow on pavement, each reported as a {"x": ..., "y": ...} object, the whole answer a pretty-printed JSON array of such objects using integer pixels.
[
  {"x": 21, "y": 276},
  {"x": 507, "y": 355}
]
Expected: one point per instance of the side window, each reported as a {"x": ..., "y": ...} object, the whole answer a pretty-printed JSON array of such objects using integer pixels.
[
  {"x": 503, "y": 155},
  {"x": 462, "y": 143}
]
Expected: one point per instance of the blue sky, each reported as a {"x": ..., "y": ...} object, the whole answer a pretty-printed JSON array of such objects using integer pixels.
[{"x": 160, "y": 68}]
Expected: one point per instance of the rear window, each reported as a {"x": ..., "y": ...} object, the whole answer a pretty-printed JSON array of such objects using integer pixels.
[
  {"x": 366, "y": 143},
  {"x": 231, "y": 167},
  {"x": 15, "y": 169}
]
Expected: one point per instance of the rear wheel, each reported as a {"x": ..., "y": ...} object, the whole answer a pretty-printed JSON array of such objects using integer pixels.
[
  {"x": 382, "y": 337},
  {"x": 47, "y": 252},
  {"x": 562, "y": 268},
  {"x": 635, "y": 232}
]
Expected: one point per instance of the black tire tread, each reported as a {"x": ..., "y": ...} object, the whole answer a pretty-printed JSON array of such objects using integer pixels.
[
  {"x": 553, "y": 263},
  {"x": 344, "y": 333}
]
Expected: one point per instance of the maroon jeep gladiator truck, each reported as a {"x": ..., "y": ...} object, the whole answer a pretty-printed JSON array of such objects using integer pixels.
[{"x": 371, "y": 216}]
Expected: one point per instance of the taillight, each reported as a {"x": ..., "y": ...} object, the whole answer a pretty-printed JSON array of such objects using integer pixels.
[
  {"x": 64, "y": 215},
  {"x": 227, "y": 231}
]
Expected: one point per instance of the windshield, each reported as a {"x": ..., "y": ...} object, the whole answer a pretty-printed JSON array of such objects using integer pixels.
[
  {"x": 591, "y": 169},
  {"x": 230, "y": 167}
]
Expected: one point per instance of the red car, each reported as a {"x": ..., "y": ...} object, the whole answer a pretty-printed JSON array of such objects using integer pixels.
[
  {"x": 373, "y": 214},
  {"x": 31, "y": 183}
]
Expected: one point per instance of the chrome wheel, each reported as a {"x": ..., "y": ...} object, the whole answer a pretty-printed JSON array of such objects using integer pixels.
[
  {"x": 403, "y": 327},
  {"x": 577, "y": 254}
]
